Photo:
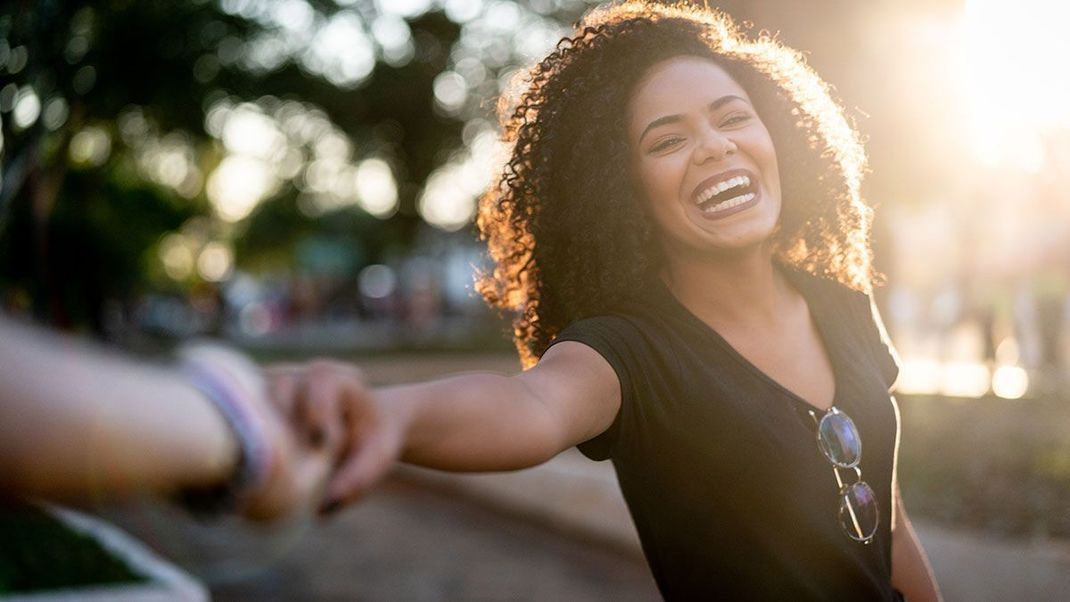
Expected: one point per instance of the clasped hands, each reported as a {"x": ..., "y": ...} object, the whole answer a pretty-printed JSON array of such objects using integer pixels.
[{"x": 334, "y": 440}]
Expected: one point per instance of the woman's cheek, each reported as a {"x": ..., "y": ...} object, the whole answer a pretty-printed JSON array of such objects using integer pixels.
[
  {"x": 666, "y": 185},
  {"x": 662, "y": 178}
]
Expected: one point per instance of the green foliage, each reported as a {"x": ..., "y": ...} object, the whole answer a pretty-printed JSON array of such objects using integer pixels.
[
  {"x": 38, "y": 552},
  {"x": 78, "y": 227}
]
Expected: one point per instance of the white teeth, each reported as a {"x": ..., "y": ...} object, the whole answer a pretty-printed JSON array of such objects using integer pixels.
[
  {"x": 723, "y": 186},
  {"x": 732, "y": 202}
]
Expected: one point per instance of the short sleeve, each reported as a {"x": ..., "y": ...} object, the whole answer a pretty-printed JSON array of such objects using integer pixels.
[
  {"x": 608, "y": 335},
  {"x": 885, "y": 352}
]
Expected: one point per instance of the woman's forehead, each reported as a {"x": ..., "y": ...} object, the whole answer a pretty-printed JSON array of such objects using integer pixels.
[{"x": 680, "y": 85}]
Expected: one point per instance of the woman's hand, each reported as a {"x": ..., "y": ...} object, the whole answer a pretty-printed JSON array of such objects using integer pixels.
[{"x": 331, "y": 407}]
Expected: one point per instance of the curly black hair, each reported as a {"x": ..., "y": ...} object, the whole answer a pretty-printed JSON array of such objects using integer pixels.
[{"x": 564, "y": 227}]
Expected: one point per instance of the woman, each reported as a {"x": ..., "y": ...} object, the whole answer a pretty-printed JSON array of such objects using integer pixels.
[{"x": 680, "y": 226}]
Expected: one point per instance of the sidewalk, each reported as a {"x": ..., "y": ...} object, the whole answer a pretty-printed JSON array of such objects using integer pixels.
[
  {"x": 406, "y": 541},
  {"x": 971, "y": 566},
  {"x": 572, "y": 494},
  {"x": 558, "y": 531}
]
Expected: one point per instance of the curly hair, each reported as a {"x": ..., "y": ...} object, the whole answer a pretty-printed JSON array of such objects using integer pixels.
[{"x": 564, "y": 227}]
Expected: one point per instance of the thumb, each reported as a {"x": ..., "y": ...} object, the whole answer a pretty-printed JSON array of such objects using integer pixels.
[
  {"x": 311, "y": 475},
  {"x": 360, "y": 471}
]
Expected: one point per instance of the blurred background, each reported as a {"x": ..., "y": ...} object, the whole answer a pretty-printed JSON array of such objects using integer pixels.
[{"x": 299, "y": 177}]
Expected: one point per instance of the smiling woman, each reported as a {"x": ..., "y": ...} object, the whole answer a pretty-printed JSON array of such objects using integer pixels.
[
  {"x": 669, "y": 154},
  {"x": 679, "y": 227},
  {"x": 573, "y": 184},
  {"x": 680, "y": 230}
]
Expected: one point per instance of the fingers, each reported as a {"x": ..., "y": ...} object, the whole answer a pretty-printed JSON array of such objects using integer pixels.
[
  {"x": 361, "y": 470},
  {"x": 297, "y": 488},
  {"x": 319, "y": 415},
  {"x": 310, "y": 397},
  {"x": 284, "y": 383},
  {"x": 312, "y": 471},
  {"x": 344, "y": 431},
  {"x": 374, "y": 445},
  {"x": 331, "y": 389}
]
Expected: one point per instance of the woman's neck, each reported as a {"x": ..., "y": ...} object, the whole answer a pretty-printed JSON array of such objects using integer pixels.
[{"x": 745, "y": 288}]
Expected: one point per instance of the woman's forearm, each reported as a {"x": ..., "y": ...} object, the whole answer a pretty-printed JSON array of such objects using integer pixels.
[
  {"x": 911, "y": 573},
  {"x": 78, "y": 421},
  {"x": 471, "y": 422}
]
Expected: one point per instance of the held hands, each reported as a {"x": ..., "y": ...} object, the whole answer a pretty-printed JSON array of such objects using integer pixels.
[
  {"x": 297, "y": 478},
  {"x": 329, "y": 407},
  {"x": 277, "y": 474}
]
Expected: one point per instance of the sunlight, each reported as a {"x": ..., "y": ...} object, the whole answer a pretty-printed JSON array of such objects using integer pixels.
[
  {"x": 376, "y": 188},
  {"x": 1010, "y": 382},
  {"x": 238, "y": 184},
  {"x": 1010, "y": 66},
  {"x": 448, "y": 201},
  {"x": 964, "y": 379}
]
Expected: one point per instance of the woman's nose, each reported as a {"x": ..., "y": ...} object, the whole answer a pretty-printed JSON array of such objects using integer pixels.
[{"x": 713, "y": 144}]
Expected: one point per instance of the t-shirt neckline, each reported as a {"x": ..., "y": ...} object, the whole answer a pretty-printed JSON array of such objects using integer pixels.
[{"x": 801, "y": 281}]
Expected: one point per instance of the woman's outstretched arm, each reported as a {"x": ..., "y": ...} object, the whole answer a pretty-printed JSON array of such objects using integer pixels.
[{"x": 465, "y": 422}]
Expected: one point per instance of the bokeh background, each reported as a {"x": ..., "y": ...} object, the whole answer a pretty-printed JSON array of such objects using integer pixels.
[{"x": 299, "y": 177}]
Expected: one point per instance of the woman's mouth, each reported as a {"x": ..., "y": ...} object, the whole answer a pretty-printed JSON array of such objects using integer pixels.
[{"x": 721, "y": 207}]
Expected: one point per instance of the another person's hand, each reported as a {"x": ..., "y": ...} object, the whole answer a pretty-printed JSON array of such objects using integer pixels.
[
  {"x": 298, "y": 479},
  {"x": 330, "y": 406},
  {"x": 281, "y": 474}
]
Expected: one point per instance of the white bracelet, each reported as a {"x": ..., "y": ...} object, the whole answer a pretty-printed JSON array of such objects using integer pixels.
[{"x": 234, "y": 386}]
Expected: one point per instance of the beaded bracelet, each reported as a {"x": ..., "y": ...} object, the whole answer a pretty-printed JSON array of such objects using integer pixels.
[{"x": 234, "y": 386}]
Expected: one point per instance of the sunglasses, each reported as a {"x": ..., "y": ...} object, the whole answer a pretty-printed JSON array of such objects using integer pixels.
[{"x": 838, "y": 438}]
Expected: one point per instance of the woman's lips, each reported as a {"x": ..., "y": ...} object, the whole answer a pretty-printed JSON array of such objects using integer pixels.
[
  {"x": 721, "y": 177},
  {"x": 723, "y": 213}
]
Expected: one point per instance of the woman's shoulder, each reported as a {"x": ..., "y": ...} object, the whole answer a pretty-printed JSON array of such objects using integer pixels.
[
  {"x": 829, "y": 291},
  {"x": 857, "y": 310},
  {"x": 621, "y": 323},
  {"x": 630, "y": 329}
]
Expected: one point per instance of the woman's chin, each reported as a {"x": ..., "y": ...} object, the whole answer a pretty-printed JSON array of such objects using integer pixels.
[{"x": 741, "y": 231}]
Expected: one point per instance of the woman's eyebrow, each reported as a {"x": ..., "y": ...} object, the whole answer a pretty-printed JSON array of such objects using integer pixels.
[{"x": 713, "y": 106}]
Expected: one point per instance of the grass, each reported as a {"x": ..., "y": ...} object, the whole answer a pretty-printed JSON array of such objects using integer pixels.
[{"x": 38, "y": 552}]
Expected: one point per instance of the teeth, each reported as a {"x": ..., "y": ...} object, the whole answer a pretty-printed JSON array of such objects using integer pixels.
[
  {"x": 732, "y": 202},
  {"x": 723, "y": 186}
]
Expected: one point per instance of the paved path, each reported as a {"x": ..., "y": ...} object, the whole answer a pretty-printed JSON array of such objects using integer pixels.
[
  {"x": 981, "y": 568},
  {"x": 555, "y": 532},
  {"x": 406, "y": 542},
  {"x": 417, "y": 541}
]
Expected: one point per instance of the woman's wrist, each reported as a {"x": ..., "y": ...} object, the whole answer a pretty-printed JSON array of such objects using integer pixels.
[{"x": 403, "y": 408}]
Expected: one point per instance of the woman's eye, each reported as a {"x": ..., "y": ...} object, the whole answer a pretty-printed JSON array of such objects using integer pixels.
[
  {"x": 665, "y": 144},
  {"x": 736, "y": 119}
]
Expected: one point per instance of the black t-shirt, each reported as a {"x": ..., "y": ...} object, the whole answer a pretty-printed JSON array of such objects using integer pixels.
[{"x": 719, "y": 464}]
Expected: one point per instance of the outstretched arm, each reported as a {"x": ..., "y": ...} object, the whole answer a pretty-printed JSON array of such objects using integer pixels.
[
  {"x": 80, "y": 422},
  {"x": 498, "y": 422},
  {"x": 465, "y": 422}
]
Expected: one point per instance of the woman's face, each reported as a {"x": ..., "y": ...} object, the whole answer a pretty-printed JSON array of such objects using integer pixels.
[{"x": 702, "y": 160}]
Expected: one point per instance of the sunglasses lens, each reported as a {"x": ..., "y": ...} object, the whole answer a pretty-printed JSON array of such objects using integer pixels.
[
  {"x": 839, "y": 439},
  {"x": 858, "y": 511}
]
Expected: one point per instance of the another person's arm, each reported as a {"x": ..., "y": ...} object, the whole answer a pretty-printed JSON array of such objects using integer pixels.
[
  {"x": 78, "y": 422},
  {"x": 464, "y": 422}
]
